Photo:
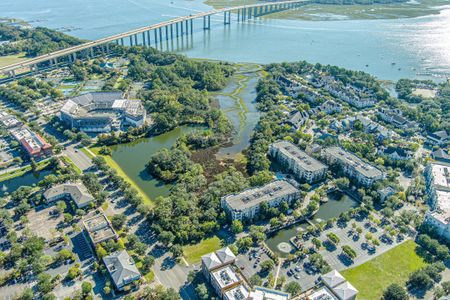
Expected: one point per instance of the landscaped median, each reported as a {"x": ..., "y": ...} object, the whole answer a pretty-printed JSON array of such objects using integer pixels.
[
  {"x": 394, "y": 266},
  {"x": 112, "y": 164}
]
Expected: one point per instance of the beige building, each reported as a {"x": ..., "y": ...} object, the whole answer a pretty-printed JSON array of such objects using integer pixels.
[
  {"x": 303, "y": 166},
  {"x": 352, "y": 166},
  {"x": 246, "y": 204}
]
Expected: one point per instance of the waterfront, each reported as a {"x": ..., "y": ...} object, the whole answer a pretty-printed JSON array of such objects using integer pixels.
[
  {"x": 388, "y": 49},
  {"x": 27, "y": 179},
  {"x": 337, "y": 203},
  {"x": 132, "y": 158}
]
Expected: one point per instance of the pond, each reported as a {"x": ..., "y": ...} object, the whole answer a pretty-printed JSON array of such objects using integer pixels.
[
  {"x": 337, "y": 204},
  {"x": 28, "y": 179},
  {"x": 132, "y": 158}
]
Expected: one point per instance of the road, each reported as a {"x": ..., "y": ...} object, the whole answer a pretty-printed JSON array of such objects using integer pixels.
[{"x": 80, "y": 159}]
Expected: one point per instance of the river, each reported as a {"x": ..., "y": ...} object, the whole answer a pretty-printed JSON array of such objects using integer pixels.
[{"x": 388, "y": 49}]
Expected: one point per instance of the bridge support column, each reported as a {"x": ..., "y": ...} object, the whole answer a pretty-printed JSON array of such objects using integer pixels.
[
  {"x": 131, "y": 40},
  {"x": 167, "y": 33},
  {"x": 74, "y": 57},
  {"x": 239, "y": 15},
  {"x": 160, "y": 34},
  {"x": 156, "y": 36},
  {"x": 143, "y": 39},
  {"x": 192, "y": 27},
  {"x": 121, "y": 41},
  {"x": 181, "y": 28},
  {"x": 148, "y": 38},
  {"x": 177, "y": 30},
  {"x": 136, "y": 40},
  {"x": 171, "y": 31},
  {"x": 187, "y": 26}
]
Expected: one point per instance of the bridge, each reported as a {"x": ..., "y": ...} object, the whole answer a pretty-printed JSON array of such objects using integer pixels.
[{"x": 161, "y": 31}]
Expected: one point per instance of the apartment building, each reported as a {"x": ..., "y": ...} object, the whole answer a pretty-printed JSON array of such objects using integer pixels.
[
  {"x": 246, "y": 204},
  {"x": 303, "y": 166},
  {"x": 352, "y": 166}
]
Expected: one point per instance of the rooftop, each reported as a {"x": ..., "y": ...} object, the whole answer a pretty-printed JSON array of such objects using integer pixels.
[
  {"x": 239, "y": 292},
  {"x": 77, "y": 191},
  {"x": 351, "y": 159},
  {"x": 441, "y": 175},
  {"x": 121, "y": 268},
  {"x": 99, "y": 228},
  {"x": 225, "y": 277},
  {"x": 333, "y": 278},
  {"x": 442, "y": 211},
  {"x": 261, "y": 293},
  {"x": 345, "y": 291},
  {"x": 323, "y": 294},
  {"x": 218, "y": 258},
  {"x": 255, "y": 196},
  {"x": 305, "y": 161}
]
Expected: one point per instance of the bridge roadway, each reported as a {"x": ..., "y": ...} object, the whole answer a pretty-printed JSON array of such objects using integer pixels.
[{"x": 244, "y": 12}]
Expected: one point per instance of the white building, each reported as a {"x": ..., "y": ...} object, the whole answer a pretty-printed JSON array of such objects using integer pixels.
[
  {"x": 246, "y": 204},
  {"x": 121, "y": 269},
  {"x": 102, "y": 112},
  {"x": 262, "y": 293},
  {"x": 437, "y": 177},
  {"x": 352, "y": 166},
  {"x": 303, "y": 166},
  {"x": 335, "y": 287}
]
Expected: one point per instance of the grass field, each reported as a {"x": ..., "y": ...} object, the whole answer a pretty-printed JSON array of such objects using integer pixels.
[
  {"x": 68, "y": 161},
  {"x": 121, "y": 173},
  {"x": 394, "y": 266},
  {"x": 11, "y": 59},
  {"x": 193, "y": 253}
]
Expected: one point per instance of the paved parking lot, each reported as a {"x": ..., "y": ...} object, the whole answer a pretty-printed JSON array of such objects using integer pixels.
[{"x": 42, "y": 223}]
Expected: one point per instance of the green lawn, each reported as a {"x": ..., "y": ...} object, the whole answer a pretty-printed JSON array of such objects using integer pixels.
[
  {"x": 112, "y": 163},
  {"x": 68, "y": 161},
  {"x": 11, "y": 59},
  {"x": 394, "y": 266},
  {"x": 193, "y": 253}
]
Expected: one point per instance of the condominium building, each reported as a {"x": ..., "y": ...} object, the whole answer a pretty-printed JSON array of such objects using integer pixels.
[
  {"x": 437, "y": 181},
  {"x": 229, "y": 283},
  {"x": 102, "y": 112},
  {"x": 246, "y": 204},
  {"x": 31, "y": 142},
  {"x": 303, "y": 166},
  {"x": 352, "y": 166},
  {"x": 76, "y": 192}
]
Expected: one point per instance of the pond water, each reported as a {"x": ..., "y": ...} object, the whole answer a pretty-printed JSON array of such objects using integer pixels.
[
  {"x": 337, "y": 204},
  {"x": 28, "y": 179},
  {"x": 132, "y": 158}
]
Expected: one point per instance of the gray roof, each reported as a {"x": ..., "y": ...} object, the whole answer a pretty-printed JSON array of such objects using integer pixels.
[
  {"x": 255, "y": 196},
  {"x": 349, "y": 158},
  {"x": 77, "y": 192},
  {"x": 333, "y": 278},
  {"x": 345, "y": 291},
  {"x": 121, "y": 268},
  {"x": 305, "y": 161},
  {"x": 440, "y": 154}
]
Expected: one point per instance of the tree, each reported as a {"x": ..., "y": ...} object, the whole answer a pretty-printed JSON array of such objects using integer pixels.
[
  {"x": 349, "y": 251},
  {"x": 27, "y": 294},
  {"x": 293, "y": 288},
  {"x": 420, "y": 280},
  {"x": 147, "y": 263},
  {"x": 267, "y": 265},
  {"x": 255, "y": 280},
  {"x": 86, "y": 287},
  {"x": 395, "y": 292},
  {"x": 118, "y": 221},
  {"x": 237, "y": 227},
  {"x": 202, "y": 291},
  {"x": 44, "y": 284}
]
